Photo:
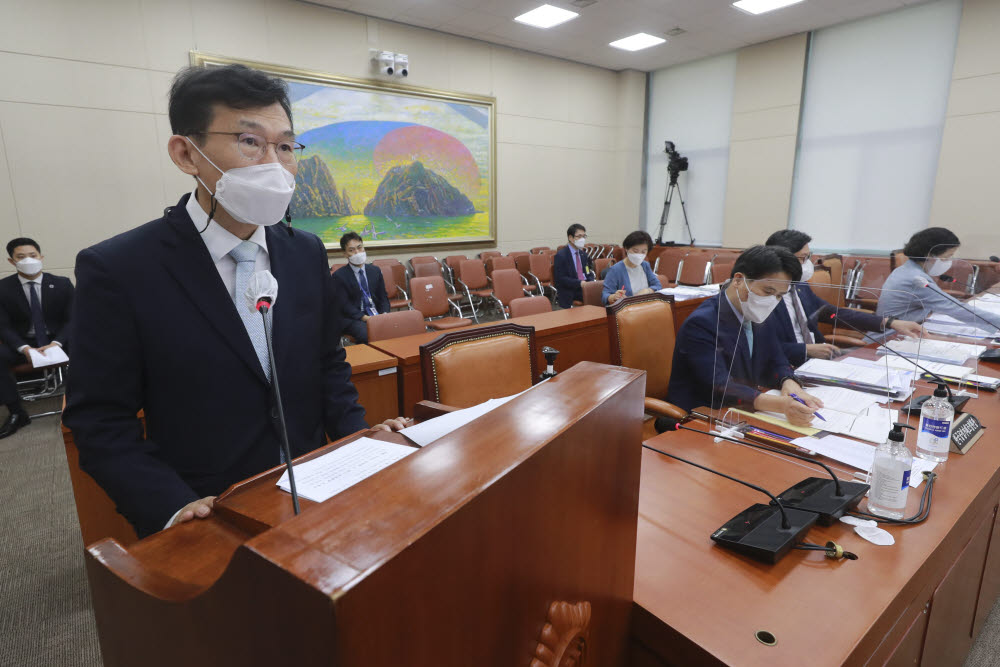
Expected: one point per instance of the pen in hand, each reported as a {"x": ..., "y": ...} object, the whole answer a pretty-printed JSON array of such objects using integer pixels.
[{"x": 815, "y": 414}]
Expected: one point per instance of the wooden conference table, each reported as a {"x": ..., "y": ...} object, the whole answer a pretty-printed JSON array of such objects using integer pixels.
[
  {"x": 920, "y": 602},
  {"x": 580, "y": 334}
]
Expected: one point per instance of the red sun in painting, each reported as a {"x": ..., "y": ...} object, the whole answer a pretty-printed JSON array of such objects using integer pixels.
[{"x": 439, "y": 152}]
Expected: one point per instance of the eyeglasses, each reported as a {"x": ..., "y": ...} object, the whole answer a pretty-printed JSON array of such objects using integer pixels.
[{"x": 253, "y": 146}]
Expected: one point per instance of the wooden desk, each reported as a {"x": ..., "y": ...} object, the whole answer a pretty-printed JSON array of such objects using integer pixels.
[
  {"x": 921, "y": 601},
  {"x": 374, "y": 375},
  {"x": 580, "y": 334}
]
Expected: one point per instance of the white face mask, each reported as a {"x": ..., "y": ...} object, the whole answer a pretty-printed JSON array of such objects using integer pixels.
[
  {"x": 579, "y": 243},
  {"x": 29, "y": 266},
  {"x": 358, "y": 258},
  {"x": 756, "y": 308},
  {"x": 807, "y": 270},
  {"x": 636, "y": 258},
  {"x": 255, "y": 195},
  {"x": 937, "y": 266}
]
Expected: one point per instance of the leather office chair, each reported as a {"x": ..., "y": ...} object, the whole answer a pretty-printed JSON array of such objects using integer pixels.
[
  {"x": 695, "y": 270},
  {"x": 428, "y": 295},
  {"x": 669, "y": 264},
  {"x": 721, "y": 271},
  {"x": 601, "y": 265},
  {"x": 486, "y": 254},
  {"x": 397, "y": 295},
  {"x": 641, "y": 331},
  {"x": 472, "y": 279},
  {"x": 540, "y": 271},
  {"x": 522, "y": 262},
  {"x": 498, "y": 262},
  {"x": 452, "y": 263},
  {"x": 334, "y": 267},
  {"x": 507, "y": 286},
  {"x": 455, "y": 364},
  {"x": 529, "y": 305},
  {"x": 421, "y": 259},
  {"x": 617, "y": 253},
  {"x": 541, "y": 249},
  {"x": 395, "y": 325},
  {"x": 873, "y": 273},
  {"x": 592, "y": 293}
]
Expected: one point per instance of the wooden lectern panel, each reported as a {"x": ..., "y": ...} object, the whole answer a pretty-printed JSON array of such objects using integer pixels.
[{"x": 510, "y": 541}]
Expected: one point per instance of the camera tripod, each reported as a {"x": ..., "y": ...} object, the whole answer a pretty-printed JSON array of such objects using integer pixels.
[{"x": 672, "y": 187}]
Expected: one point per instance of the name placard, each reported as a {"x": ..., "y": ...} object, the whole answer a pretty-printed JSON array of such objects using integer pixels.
[{"x": 965, "y": 432}]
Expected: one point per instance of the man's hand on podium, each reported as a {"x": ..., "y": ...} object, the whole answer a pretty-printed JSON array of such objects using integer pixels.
[
  {"x": 200, "y": 508},
  {"x": 395, "y": 424}
]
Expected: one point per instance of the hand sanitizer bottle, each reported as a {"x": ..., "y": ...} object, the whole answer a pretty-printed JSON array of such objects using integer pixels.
[
  {"x": 891, "y": 476},
  {"x": 934, "y": 433}
]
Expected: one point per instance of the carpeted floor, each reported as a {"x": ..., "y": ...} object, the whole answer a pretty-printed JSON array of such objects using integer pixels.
[{"x": 46, "y": 618}]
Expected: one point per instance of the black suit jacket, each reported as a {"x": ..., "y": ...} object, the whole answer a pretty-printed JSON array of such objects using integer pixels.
[
  {"x": 15, "y": 312},
  {"x": 352, "y": 291},
  {"x": 155, "y": 329}
]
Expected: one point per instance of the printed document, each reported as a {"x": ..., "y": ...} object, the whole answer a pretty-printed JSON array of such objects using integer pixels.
[{"x": 327, "y": 475}]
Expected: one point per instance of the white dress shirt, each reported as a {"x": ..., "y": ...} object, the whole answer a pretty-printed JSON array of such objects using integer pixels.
[
  {"x": 27, "y": 295},
  {"x": 792, "y": 304},
  {"x": 220, "y": 242}
]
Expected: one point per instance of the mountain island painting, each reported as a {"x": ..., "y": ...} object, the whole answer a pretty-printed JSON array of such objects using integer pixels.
[{"x": 398, "y": 167}]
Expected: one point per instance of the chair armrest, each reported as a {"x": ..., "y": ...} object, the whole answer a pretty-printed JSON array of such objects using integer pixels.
[
  {"x": 403, "y": 292},
  {"x": 425, "y": 410},
  {"x": 655, "y": 406},
  {"x": 456, "y": 307}
]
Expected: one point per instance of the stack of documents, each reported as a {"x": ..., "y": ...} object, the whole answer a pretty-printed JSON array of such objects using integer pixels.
[
  {"x": 945, "y": 351},
  {"x": 859, "y": 418},
  {"x": 859, "y": 374},
  {"x": 685, "y": 292},
  {"x": 325, "y": 476},
  {"x": 946, "y": 325},
  {"x": 857, "y": 454}
]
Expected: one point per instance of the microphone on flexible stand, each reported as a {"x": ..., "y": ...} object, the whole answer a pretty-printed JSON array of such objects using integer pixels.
[
  {"x": 829, "y": 313},
  {"x": 762, "y": 532},
  {"x": 830, "y": 500},
  {"x": 261, "y": 293}
]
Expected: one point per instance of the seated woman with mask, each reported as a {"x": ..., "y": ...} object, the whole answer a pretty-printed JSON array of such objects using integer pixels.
[
  {"x": 727, "y": 349},
  {"x": 910, "y": 292},
  {"x": 632, "y": 276}
]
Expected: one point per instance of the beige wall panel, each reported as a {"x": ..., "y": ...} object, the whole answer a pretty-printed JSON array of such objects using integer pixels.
[
  {"x": 69, "y": 195},
  {"x": 978, "y": 94},
  {"x": 774, "y": 122},
  {"x": 770, "y": 74},
  {"x": 9, "y": 225},
  {"x": 968, "y": 172},
  {"x": 541, "y": 132},
  {"x": 760, "y": 186},
  {"x": 167, "y": 32},
  {"x": 977, "y": 52},
  {"x": 589, "y": 99},
  {"x": 530, "y": 85},
  {"x": 233, "y": 28}
]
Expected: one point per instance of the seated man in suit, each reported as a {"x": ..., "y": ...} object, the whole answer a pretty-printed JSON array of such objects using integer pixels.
[
  {"x": 571, "y": 267},
  {"x": 795, "y": 325},
  {"x": 727, "y": 348},
  {"x": 363, "y": 287},
  {"x": 162, "y": 322},
  {"x": 34, "y": 314},
  {"x": 632, "y": 276}
]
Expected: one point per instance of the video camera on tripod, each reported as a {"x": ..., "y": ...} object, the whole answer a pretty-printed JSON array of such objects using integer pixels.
[{"x": 675, "y": 165}]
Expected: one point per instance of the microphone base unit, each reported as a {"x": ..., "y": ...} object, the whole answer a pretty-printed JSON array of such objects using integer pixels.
[
  {"x": 914, "y": 406},
  {"x": 756, "y": 532},
  {"x": 819, "y": 495},
  {"x": 990, "y": 355}
]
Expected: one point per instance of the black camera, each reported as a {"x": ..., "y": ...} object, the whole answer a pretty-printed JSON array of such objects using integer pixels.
[{"x": 678, "y": 163}]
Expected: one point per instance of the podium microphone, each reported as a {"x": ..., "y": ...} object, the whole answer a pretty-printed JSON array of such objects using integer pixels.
[
  {"x": 762, "y": 532},
  {"x": 829, "y": 313},
  {"x": 830, "y": 499},
  {"x": 262, "y": 292}
]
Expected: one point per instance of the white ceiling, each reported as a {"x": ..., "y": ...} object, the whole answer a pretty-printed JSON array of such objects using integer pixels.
[{"x": 713, "y": 26}]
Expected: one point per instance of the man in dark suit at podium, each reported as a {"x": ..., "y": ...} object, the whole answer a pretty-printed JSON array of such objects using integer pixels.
[
  {"x": 364, "y": 288},
  {"x": 34, "y": 314},
  {"x": 571, "y": 267},
  {"x": 162, "y": 323}
]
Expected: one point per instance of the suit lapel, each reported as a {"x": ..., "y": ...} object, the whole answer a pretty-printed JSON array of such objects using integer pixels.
[{"x": 188, "y": 261}]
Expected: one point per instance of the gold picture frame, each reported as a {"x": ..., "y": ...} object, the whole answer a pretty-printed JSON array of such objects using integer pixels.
[{"x": 408, "y": 176}]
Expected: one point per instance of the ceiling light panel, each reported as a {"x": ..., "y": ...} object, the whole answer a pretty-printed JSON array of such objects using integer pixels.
[
  {"x": 546, "y": 16},
  {"x": 637, "y": 42},
  {"x": 762, "y": 6}
]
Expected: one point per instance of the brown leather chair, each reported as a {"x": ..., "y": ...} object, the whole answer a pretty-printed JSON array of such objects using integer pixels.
[
  {"x": 592, "y": 290},
  {"x": 428, "y": 295},
  {"x": 695, "y": 269},
  {"x": 529, "y": 305},
  {"x": 641, "y": 331},
  {"x": 663, "y": 280},
  {"x": 874, "y": 271},
  {"x": 395, "y": 325},
  {"x": 472, "y": 279},
  {"x": 540, "y": 272},
  {"x": 522, "y": 262},
  {"x": 427, "y": 270},
  {"x": 397, "y": 295},
  {"x": 486, "y": 254},
  {"x": 507, "y": 286},
  {"x": 822, "y": 286},
  {"x": 517, "y": 253},
  {"x": 452, "y": 264},
  {"x": 495, "y": 263},
  {"x": 455, "y": 364},
  {"x": 603, "y": 264},
  {"x": 668, "y": 264},
  {"x": 334, "y": 267},
  {"x": 721, "y": 271},
  {"x": 421, "y": 259},
  {"x": 617, "y": 253},
  {"x": 541, "y": 249}
]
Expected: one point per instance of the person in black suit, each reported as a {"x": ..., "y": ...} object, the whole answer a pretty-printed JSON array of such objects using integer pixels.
[
  {"x": 363, "y": 286},
  {"x": 798, "y": 332},
  {"x": 571, "y": 267},
  {"x": 34, "y": 313},
  {"x": 161, "y": 322}
]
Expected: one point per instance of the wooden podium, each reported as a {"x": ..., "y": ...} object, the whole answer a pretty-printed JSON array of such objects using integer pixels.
[{"x": 510, "y": 541}]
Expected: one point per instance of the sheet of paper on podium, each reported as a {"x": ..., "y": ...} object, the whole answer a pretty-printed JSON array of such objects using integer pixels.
[
  {"x": 327, "y": 475},
  {"x": 50, "y": 357}
]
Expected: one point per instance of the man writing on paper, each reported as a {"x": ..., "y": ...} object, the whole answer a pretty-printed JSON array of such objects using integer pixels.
[
  {"x": 727, "y": 347},
  {"x": 800, "y": 337},
  {"x": 34, "y": 315},
  {"x": 162, "y": 323}
]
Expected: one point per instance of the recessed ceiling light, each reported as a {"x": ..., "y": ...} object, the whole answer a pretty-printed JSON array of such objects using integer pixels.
[
  {"x": 637, "y": 41},
  {"x": 546, "y": 16},
  {"x": 761, "y": 6}
]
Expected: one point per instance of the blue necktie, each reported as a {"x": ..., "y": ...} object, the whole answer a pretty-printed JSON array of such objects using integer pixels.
[
  {"x": 366, "y": 295},
  {"x": 749, "y": 332},
  {"x": 37, "y": 318},
  {"x": 245, "y": 255}
]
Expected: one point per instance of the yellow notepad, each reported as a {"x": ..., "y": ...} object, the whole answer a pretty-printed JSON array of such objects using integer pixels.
[{"x": 778, "y": 421}]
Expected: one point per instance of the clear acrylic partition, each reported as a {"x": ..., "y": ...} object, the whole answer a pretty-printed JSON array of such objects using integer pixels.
[{"x": 861, "y": 384}]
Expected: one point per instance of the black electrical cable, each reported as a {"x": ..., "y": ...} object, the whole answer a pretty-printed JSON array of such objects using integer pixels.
[
  {"x": 923, "y": 511},
  {"x": 832, "y": 550}
]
